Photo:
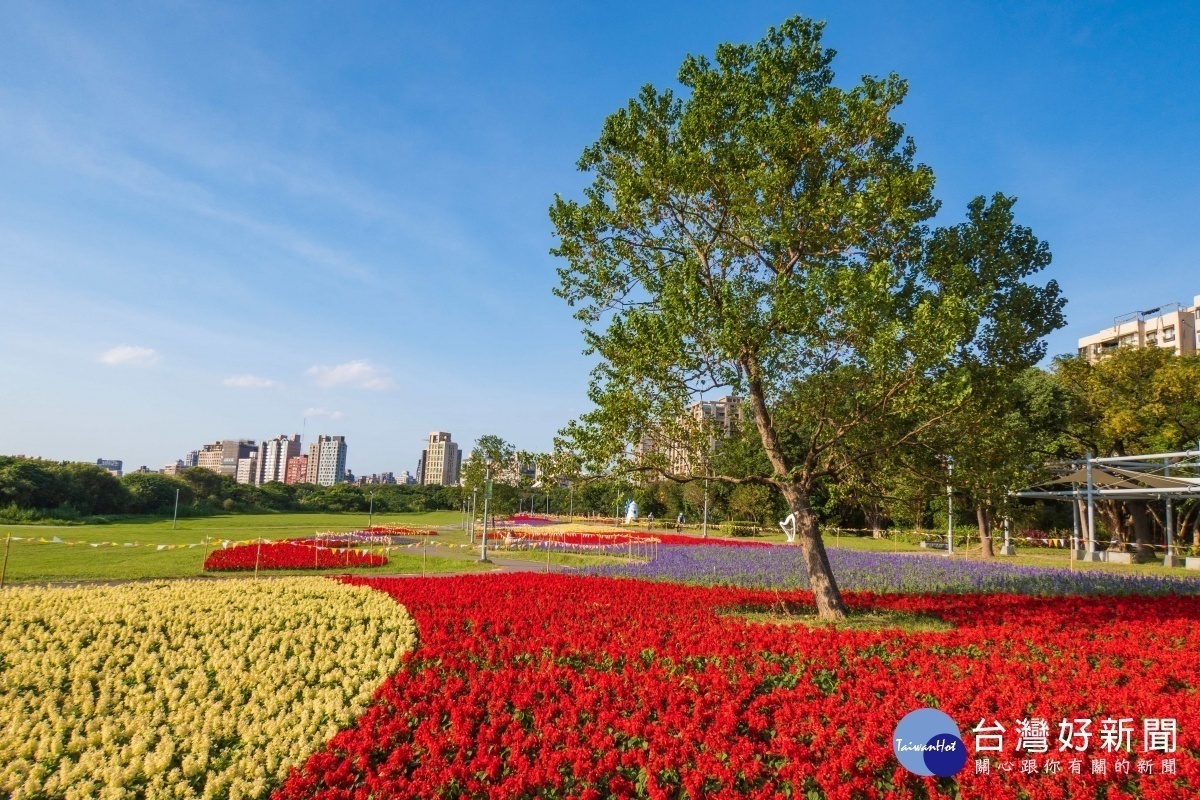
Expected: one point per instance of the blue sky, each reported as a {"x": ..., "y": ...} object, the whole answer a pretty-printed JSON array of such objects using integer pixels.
[{"x": 217, "y": 220}]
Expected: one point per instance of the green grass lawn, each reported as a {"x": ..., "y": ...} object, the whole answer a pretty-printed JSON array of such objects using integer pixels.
[{"x": 37, "y": 561}]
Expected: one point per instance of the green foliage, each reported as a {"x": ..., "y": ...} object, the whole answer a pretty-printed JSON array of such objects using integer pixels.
[
  {"x": 766, "y": 233},
  {"x": 151, "y": 493},
  {"x": 32, "y": 489}
]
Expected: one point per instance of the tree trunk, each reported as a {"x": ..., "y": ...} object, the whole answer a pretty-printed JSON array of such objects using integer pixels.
[
  {"x": 875, "y": 520},
  {"x": 820, "y": 575},
  {"x": 1141, "y": 526},
  {"x": 1114, "y": 515},
  {"x": 984, "y": 515}
]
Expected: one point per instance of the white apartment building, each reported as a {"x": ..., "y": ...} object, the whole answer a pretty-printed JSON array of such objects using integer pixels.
[
  {"x": 273, "y": 455},
  {"x": 247, "y": 469},
  {"x": 327, "y": 460},
  {"x": 440, "y": 460},
  {"x": 721, "y": 414},
  {"x": 1173, "y": 327}
]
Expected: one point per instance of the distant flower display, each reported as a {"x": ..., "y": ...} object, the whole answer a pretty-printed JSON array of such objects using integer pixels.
[
  {"x": 783, "y": 567},
  {"x": 611, "y": 538},
  {"x": 300, "y": 554}
]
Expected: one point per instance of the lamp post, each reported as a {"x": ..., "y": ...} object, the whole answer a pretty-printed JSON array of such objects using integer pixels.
[
  {"x": 371, "y": 512},
  {"x": 704, "y": 528},
  {"x": 487, "y": 496},
  {"x": 950, "y": 507},
  {"x": 474, "y": 489}
]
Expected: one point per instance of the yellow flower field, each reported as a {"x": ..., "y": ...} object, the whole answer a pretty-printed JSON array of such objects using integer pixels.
[{"x": 190, "y": 689}]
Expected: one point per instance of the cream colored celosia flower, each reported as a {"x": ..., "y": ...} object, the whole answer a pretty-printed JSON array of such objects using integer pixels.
[{"x": 193, "y": 689}]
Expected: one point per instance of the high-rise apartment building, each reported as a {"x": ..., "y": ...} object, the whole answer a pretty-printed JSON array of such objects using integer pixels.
[
  {"x": 247, "y": 468},
  {"x": 222, "y": 457},
  {"x": 113, "y": 465},
  {"x": 720, "y": 414},
  {"x": 273, "y": 455},
  {"x": 440, "y": 461},
  {"x": 327, "y": 460},
  {"x": 405, "y": 478},
  {"x": 1174, "y": 327},
  {"x": 297, "y": 470},
  {"x": 192, "y": 459}
]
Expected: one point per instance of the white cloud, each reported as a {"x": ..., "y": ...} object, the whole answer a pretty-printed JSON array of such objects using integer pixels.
[
  {"x": 359, "y": 374},
  {"x": 127, "y": 355},
  {"x": 250, "y": 382},
  {"x": 321, "y": 412}
]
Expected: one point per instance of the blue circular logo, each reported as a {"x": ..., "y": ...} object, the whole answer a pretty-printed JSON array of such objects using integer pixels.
[{"x": 927, "y": 742}]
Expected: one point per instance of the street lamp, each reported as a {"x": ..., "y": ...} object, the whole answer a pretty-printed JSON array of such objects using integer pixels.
[
  {"x": 950, "y": 506},
  {"x": 487, "y": 496},
  {"x": 371, "y": 513}
]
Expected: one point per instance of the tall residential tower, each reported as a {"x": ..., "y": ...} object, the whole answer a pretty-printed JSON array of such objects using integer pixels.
[{"x": 327, "y": 460}]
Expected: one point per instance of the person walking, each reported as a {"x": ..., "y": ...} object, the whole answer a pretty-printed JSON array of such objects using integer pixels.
[{"x": 679, "y": 523}]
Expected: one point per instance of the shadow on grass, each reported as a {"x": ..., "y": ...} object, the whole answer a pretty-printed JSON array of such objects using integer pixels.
[{"x": 857, "y": 619}]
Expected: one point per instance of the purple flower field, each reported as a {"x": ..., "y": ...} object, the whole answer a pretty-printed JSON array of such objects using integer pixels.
[{"x": 860, "y": 570}]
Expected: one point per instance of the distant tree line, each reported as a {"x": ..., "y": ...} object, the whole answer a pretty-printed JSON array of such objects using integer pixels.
[{"x": 33, "y": 489}]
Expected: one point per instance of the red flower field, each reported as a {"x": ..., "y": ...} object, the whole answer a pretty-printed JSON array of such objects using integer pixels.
[
  {"x": 287, "y": 555},
  {"x": 559, "y": 686},
  {"x": 610, "y": 537}
]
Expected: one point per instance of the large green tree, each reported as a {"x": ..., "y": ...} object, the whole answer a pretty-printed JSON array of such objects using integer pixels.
[
  {"x": 766, "y": 231},
  {"x": 1137, "y": 400}
]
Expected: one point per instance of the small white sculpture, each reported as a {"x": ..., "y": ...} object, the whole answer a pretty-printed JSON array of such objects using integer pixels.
[
  {"x": 790, "y": 533},
  {"x": 631, "y": 512}
]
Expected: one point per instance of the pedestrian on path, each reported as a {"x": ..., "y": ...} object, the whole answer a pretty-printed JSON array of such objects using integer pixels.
[{"x": 679, "y": 523}]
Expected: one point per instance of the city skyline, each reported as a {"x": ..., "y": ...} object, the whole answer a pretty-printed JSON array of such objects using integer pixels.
[{"x": 243, "y": 223}]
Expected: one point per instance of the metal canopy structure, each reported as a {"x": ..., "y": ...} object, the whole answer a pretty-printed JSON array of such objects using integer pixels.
[{"x": 1159, "y": 477}]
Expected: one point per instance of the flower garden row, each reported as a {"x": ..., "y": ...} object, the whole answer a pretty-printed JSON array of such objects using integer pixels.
[
  {"x": 193, "y": 689},
  {"x": 782, "y": 567},
  {"x": 532, "y": 685},
  {"x": 290, "y": 555}
]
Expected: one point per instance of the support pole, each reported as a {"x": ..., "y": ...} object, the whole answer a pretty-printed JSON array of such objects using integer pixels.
[
  {"x": 704, "y": 528},
  {"x": 175, "y": 518},
  {"x": 1092, "y": 555},
  {"x": 257, "y": 557},
  {"x": 1075, "y": 520},
  {"x": 205, "y": 561},
  {"x": 424, "y": 554},
  {"x": 4, "y": 569},
  {"x": 1170, "y": 559}
]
